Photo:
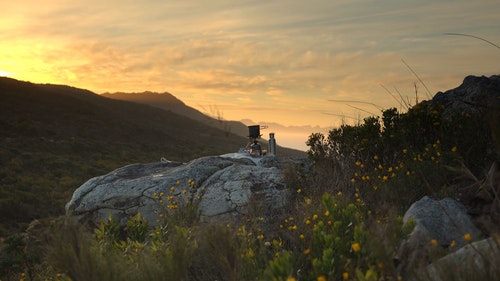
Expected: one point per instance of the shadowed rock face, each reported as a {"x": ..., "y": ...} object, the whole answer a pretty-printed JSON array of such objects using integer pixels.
[
  {"x": 474, "y": 96},
  {"x": 476, "y": 261},
  {"x": 445, "y": 221},
  {"x": 226, "y": 184}
]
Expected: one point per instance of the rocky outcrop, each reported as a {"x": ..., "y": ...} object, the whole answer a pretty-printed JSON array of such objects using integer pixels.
[
  {"x": 222, "y": 186},
  {"x": 474, "y": 97},
  {"x": 444, "y": 220},
  {"x": 475, "y": 261},
  {"x": 439, "y": 225}
]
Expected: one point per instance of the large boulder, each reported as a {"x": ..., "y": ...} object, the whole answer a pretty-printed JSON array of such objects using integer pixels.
[
  {"x": 439, "y": 224},
  {"x": 222, "y": 186}
]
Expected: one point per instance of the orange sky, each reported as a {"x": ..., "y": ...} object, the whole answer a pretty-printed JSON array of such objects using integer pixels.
[{"x": 268, "y": 61}]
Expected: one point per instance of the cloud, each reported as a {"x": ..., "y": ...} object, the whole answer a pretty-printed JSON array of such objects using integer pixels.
[{"x": 252, "y": 56}]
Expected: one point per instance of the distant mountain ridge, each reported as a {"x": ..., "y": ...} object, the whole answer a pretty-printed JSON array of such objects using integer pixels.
[
  {"x": 169, "y": 102},
  {"x": 66, "y": 111}
]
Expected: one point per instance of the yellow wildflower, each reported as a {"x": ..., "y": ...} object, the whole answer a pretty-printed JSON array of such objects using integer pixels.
[
  {"x": 467, "y": 237},
  {"x": 434, "y": 242},
  {"x": 321, "y": 278},
  {"x": 327, "y": 213},
  {"x": 454, "y": 149},
  {"x": 356, "y": 247},
  {"x": 345, "y": 275}
]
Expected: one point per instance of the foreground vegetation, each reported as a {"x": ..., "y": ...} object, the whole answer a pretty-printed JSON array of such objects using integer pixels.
[{"x": 344, "y": 222}]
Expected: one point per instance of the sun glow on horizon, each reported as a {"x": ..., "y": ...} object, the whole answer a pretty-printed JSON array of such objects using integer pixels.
[{"x": 5, "y": 73}]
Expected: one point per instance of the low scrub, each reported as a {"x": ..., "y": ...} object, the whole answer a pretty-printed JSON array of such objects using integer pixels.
[{"x": 344, "y": 221}]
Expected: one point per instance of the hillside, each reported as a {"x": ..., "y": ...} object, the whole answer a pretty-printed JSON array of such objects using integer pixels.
[
  {"x": 167, "y": 101},
  {"x": 53, "y": 138}
]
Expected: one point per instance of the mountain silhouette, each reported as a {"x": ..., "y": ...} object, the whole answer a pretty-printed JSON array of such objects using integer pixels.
[{"x": 167, "y": 101}]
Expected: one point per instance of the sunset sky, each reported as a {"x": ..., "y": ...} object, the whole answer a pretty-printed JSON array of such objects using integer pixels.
[{"x": 303, "y": 63}]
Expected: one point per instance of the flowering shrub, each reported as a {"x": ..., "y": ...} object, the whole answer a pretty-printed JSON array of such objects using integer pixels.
[
  {"x": 395, "y": 159},
  {"x": 327, "y": 241}
]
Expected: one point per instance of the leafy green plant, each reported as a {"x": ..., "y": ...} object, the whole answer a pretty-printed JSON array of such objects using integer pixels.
[
  {"x": 108, "y": 231},
  {"x": 137, "y": 228}
]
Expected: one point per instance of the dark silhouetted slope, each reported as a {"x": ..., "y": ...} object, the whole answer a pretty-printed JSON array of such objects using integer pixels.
[{"x": 167, "y": 101}]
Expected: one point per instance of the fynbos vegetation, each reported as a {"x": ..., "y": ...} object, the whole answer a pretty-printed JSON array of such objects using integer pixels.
[{"x": 344, "y": 221}]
